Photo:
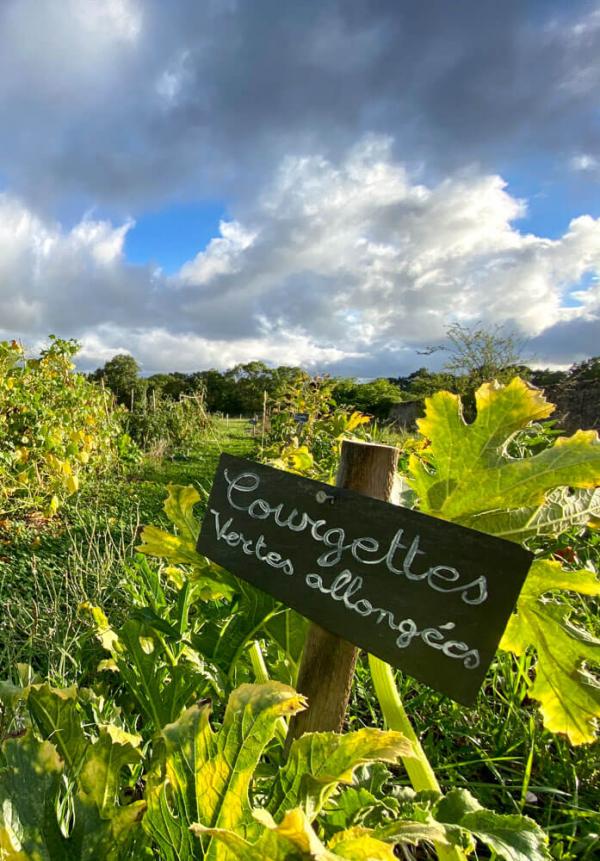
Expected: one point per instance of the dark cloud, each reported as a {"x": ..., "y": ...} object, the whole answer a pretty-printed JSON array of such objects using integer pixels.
[
  {"x": 566, "y": 342},
  {"x": 124, "y": 102}
]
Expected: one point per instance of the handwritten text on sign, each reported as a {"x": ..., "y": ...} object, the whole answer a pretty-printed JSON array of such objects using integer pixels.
[{"x": 429, "y": 597}]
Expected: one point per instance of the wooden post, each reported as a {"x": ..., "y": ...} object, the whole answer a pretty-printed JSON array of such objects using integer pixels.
[
  {"x": 327, "y": 665},
  {"x": 264, "y": 417}
]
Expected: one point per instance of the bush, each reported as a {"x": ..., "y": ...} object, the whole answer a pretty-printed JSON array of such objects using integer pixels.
[
  {"x": 162, "y": 426},
  {"x": 55, "y": 427}
]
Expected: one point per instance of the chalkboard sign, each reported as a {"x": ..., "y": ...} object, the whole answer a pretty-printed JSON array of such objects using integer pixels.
[{"x": 427, "y": 596}]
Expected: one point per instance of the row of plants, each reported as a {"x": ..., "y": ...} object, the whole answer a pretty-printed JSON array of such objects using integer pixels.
[
  {"x": 467, "y": 474},
  {"x": 56, "y": 428},
  {"x": 161, "y": 426},
  {"x": 128, "y": 765}
]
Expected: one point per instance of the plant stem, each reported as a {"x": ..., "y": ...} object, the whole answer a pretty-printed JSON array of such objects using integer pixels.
[
  {"x": 257, "y": 660},
  {"x": 418, "y": 767},
  {"x": 261, "y": 674}
]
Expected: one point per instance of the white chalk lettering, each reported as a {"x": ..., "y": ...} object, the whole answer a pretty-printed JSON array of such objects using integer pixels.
[
  {"x": 440, "y": 578},
  {"x": 346, "y": 585},
  {"x": 250, "y": 547}
]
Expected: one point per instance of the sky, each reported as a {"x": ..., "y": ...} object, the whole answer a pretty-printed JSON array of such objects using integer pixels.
[{"x": 331, "y": 183}]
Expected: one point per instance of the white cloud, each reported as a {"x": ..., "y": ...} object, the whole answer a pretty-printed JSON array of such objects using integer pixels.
[
  {"x": 350, "y": 265},
  {"x": 356, "y": 251},
  {"x": 220, "y": 256},
  {"x": 158, "y": 349},
  {"x": 584, "y": 162}
]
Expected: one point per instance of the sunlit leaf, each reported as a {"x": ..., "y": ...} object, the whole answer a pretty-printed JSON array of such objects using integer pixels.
[
  {"x": 208, "y": 774},
  {"x": 569, "y": 695},
  {"x": 318, "y": 762},
  {"x": 466, "y": 476}
]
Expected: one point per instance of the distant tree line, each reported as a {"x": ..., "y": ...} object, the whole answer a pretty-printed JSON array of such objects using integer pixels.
[
  {"x": 240, "y": 390},
  {"x": 237, "y": 391}
]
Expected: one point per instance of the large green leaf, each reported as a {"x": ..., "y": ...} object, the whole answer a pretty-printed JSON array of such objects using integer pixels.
[
  {"x": 318, "y": 762},
  {"x": 56, "y": 714},
  {"x": 30, "y": 789},
  {"x": 179, "y": 548},
  {"x": 468, "y": 477},
  {"x": 512, "y": 837},
  {"x": 208, "y": 774},
  {"x": 100, "y": 776},
  {"x": 569, "y": 695},
  {"x": 294, "y": 839},
  {"x": 469, "y": 471},
  {"x": 457, "y": 819},
  {"x": 562, "y": 509}
]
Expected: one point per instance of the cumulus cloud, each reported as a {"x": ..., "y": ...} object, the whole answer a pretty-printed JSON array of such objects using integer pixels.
[
  {"x": 123, "y": 102},
  {"x": 349, "y": 265}
]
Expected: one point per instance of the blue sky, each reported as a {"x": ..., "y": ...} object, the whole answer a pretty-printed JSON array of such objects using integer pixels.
[
  {"x": 173, "y": 234},
  {"x": 330, "y": 184}
]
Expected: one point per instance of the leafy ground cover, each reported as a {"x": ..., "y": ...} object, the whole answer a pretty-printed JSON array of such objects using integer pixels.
[{"x": 152, "y": 643}]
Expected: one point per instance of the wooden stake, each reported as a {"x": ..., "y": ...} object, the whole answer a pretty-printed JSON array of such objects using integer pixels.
[{"x": 327, "y": 665}]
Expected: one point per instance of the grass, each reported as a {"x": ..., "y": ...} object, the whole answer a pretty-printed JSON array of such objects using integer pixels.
[{"x": 48, "y": 569}]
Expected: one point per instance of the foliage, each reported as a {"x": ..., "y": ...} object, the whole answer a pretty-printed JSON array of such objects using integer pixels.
[
  {"x": 119, "y": 374},
  {"x": 466, "y": 476},
  {"x": 423, "y": 382},
  {"x": 56, "y": 428},
  {"x": 375, "y": 802},
  {"x": 210, "y": 777},
  {"x": 224, "y": 632},
  {"x": 190, "y": 622},
  {"x": 568, "y": 692},
  {"x": 307, "y": 429},
  {"x": 197, "y": 793},
  {"x": 480, "y": 354},
  {"x": 193, "y": 775},
  {"x": 38, "y": 821},
  {"x": 375, "y": 397},
  {"x": 163, "y": 426},
  {"x": 587, "y": 370}
]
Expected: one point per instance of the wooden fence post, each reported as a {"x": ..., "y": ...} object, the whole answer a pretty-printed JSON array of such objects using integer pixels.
[{"x": 327, "y": 665}]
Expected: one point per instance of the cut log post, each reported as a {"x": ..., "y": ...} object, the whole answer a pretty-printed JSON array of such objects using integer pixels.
[{"x": 327, "y": 665}]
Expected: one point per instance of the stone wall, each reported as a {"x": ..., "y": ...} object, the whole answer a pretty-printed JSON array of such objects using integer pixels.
[
  {"x": 577, "y": 404},
  {"x": 405, "y": 415}
]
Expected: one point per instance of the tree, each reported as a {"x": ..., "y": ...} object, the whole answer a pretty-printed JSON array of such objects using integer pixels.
[
  {"x": 543, "y": 377},
  {"x": 375, "y": 397},
  {"x": 121, "y": 375},
  {"x": 422, "y": 383},
  {"x": 479, "y": 355},
  {"x": 589, "y": 369}
]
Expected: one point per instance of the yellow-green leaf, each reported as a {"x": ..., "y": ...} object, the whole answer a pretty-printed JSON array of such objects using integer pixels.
[
  {"x": 179, "y": 508},
  {"x": 468, "y": 469},
  {"x": 466, "y": 475},
  {"x": 318, "y": 762},
  {"x": 568, "y": 694},
  {"x": 208, "y": 774}
]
